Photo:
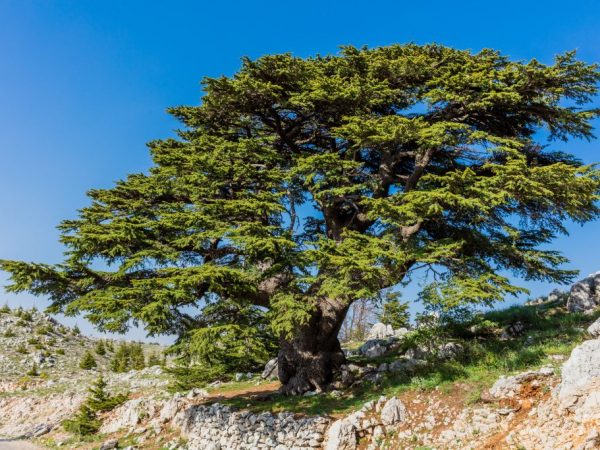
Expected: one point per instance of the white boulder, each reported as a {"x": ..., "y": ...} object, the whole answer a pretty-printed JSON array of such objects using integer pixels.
[
  {"x": 380, "y": 331},
  {"x": 341, "y": 436},
  {"x": 271, "y": 370},
  {"x": 581, "y": 371},
  {"x": 594, "y": 328},
  {"x": 393, "y": 412},
  {"x": 585, "y": 294}
]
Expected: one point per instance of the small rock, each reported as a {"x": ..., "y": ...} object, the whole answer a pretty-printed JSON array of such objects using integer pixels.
[
  {"x": 110, "y": 444},
  {"x": 393, "y": 412},
  {"x": 594, "y": 328}
]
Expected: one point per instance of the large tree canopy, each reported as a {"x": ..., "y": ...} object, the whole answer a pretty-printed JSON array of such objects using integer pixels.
[{"x": 301, "y": 185}]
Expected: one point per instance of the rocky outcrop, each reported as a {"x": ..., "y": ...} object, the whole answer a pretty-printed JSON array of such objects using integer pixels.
[
  {"x": 594, "y": 328},
  {"x": 222, "y": 427},
  {"x": 371, "y": 422},
  {"x": 270, "y": 371},
  {"x": 557, "y": 296},
  {"x": 580, "y": 377},
  {"x": 380, "y": 331},
  {"x": 130, "y": 414},
  {"x": 510, "y": 386},
  {"x": 36, "y": 415},
  {"x": 584, "y": 295},
  {"x": 383, "y": 331}
]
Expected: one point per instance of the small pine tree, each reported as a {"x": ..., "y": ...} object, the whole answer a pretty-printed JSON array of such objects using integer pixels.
[
  {"x": 87, "y": 362},
  {"x": 9, "y": 333},
  {"x": 100, "y": 348},
  {"x": 76, "y": 330},
  {"x": 395, "y": 313},
  {"x": 33, "y": 372},
  {"x": 154, "y": 360},
  {"x": 5, "y": 309},
  {"x": 84, "y": 423},
  {"x": 99, "y": 400},
  {"x": 21, "y": 349},
  {"x": 136, "y": 356},
  {"x": 119, "y": 362}
]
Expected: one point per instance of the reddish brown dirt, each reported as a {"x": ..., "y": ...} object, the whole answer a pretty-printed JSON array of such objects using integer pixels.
[
  {"x": 250, "y": 392},
  {"x": 529, "y": 395}
]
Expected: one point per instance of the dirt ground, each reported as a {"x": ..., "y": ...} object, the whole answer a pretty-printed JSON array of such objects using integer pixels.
[{"x": 12, "y": 444}]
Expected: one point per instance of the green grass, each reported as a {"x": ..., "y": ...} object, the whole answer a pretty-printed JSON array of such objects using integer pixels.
[{"x": 548, "y": 331}]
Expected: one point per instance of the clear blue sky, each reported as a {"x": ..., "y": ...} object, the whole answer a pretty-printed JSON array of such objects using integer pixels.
[{"x": 84, "y": 84}]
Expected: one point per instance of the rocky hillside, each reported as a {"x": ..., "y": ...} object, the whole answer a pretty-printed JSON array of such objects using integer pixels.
[{"x": 521, "y": 378}]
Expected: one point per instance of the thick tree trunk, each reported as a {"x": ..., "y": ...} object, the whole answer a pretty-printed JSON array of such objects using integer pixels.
[{"x": 310, "y": 360}]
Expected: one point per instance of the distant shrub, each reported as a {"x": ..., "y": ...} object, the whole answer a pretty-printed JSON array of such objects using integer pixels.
[
  {"x": 128, "y": 356},
  {"x": 44, "y": 329},
  {"x": 26, "y": 315},
  {"x": 5, "y": 309},
  {"x": 100, "y": 348},
  {"x": 60, "y": 351},
  {"x": 33, "y": 371},
  {"x": 87, "y": 362},
  {"x": 9, "y": 333},
  {"x": 51, "y": 342},
  {"x": 155, "y": 360},
  {"x": 21, "y": 349},
  {"x": 76, "y": 331},
  {"x": 33, "y": 341}
]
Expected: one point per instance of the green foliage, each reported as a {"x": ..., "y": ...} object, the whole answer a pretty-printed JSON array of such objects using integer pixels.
[
  {"x": 86, "y": 421},
  {"x": 87, "y": 361},
  {"x": 128, "y": 356},
  {"x": 100, "y": 348},
  {"x": 154, "y": 359},
  {"x": 109, "y": 346},
  {"x": 21, "y": 348},
  {"x": 33, "y": 371},
  {"x": 395, "y": 313},
  {"x": 408, "y": 156},
  {"x": 9, "y": 333},
  {"x": 99, "y": 400},
  {"x": 44, "y": 329},
  {"x": 60, "y": 351},
  {"x": 76, "y": 331},
  {"x": 5, "y": 309},
  {"x": 233, "y": 339}
]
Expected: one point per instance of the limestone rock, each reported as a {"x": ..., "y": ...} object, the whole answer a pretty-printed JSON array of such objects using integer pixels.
[
  {"x": 110, "y": 444},
  {"x": 581, "y": 369},
  {"x": 380, "y": 331},
  {"x": 510, "y": 386},
  {"x": 341, "y": 436},
  {"x": 594, "y": 328},
  {"x": 393, "y": 412},
  {"x": 450, "y": 350},
  {"x": 271, "y": 370},
  {"x": 585, "y": 294},
  {"x": 373, "y": 348}
]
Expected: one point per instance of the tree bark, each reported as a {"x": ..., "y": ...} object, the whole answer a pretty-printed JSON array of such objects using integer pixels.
[{"x": 310, "y": 360}]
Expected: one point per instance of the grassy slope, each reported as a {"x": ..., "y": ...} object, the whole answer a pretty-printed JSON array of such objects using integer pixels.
[{"x": 548, "y": 331}]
